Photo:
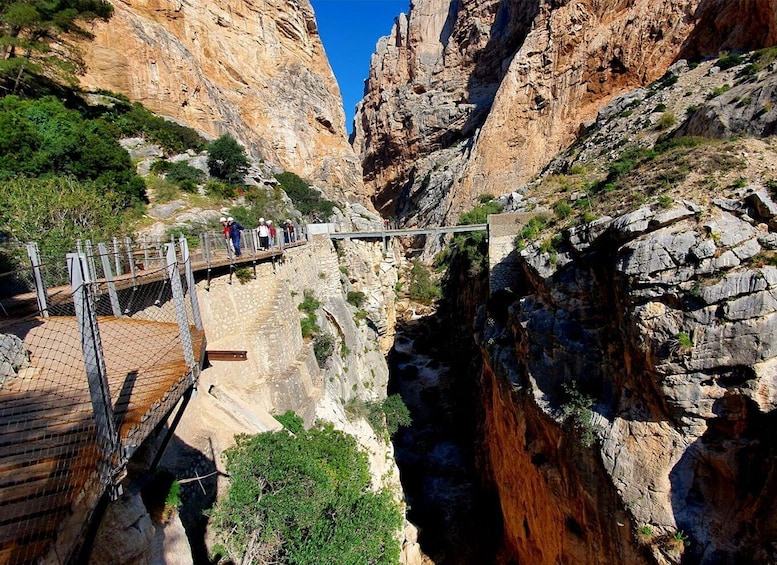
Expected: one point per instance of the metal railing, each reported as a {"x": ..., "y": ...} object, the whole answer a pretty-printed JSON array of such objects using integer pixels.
[{"x": 84, "y": 382}]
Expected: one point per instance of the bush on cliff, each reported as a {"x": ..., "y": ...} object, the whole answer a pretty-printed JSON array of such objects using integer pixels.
[
  {"x": 306, "y": 199},
  {"x": 305, "y": 498},
  {"x": 44, "y": 138},
  {"x": 56, "y": 211},
  {"x": 227, "y": 160}
]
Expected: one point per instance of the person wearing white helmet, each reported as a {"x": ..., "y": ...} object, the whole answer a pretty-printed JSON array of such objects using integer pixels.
[
  {"x": 263, "y": 231},
  {"x": 225, "y": 231},
  {"x": 271, "y": 229},
  {"x": 235, "y": 232}
]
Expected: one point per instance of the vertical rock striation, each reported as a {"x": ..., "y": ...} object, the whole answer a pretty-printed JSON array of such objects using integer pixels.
[
  {"x": 666, "y": 319},
  {"x": 255, "y": 69},
  {"x": 466, "y": 98}
]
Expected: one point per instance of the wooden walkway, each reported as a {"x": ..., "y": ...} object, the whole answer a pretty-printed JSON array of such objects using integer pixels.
[{"x": 49, "y": 456}]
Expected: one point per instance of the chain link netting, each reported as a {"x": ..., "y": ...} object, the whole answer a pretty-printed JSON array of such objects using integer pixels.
[{"x": 122, "y": 336}]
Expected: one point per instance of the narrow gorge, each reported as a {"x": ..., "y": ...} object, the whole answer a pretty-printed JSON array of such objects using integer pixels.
[{"x": 592, "y": 378}]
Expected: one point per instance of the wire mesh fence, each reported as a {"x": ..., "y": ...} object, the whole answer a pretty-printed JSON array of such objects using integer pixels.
[
  {"x": 83, "y": 382},
  {"x": 31, "y": 279}
]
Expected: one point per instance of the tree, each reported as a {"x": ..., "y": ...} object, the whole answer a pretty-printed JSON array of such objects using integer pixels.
[
  {"x": 56, "y": 211},
  {"x": 303, "y": 497},
  {"x": 29, "y": 27},
  {"x": 43, "y": 137},
  {"x": 227, "y": 159}
]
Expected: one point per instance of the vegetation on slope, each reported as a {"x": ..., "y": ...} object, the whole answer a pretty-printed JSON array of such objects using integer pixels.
[
  {"x": 304, "y": 497},
  {"x": 639, "y": 152},
  {"x": 28, "y": 32},
  {"x": 64, "y": 173}
]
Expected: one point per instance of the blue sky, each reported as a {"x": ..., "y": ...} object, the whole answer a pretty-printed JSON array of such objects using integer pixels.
[{"x": 349, "y": 30}]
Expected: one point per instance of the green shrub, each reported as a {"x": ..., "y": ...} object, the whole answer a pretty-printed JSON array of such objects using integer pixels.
[
  {"x": 56, "y": 211},
  {"x": 531, "y": 230},
  {"x": 305, "y": 498},
  {"x": 666, "y": 121},
  {"x": 665, "y": 201},
  {"x": 665, "y": 145},
  {"x": 576, "y": 412},
  {"x": 135, "y": 120},
  {"x": 479, "y": 214},
  {"x": 396, "y": 412},
  {"x": 43, "y": 137},
  {"x": 360, "y": 316},
  {"x": 180, "y": 171},
  {"x": 244, "y": 275},
  {"x": 306, "y": 199},
  {"x": 728, "y": 60},
  {"x": 227, "y": 160},
  {"x": 718, "y": 90},
  {"x": 323, "y": 347},
  {"x": 172, "y": 500},
  {"x": 562, "y": 209},
  {"x": 422, "y": 288},
  {"x": 684, "y": 341},
  {"x": 356, "y": 298},
  {"x": 218, "y": 189},
  {"x": 162, "y": 189},
  {"x": 309, "y": 306},
  {"x": 385, "y": 417}
]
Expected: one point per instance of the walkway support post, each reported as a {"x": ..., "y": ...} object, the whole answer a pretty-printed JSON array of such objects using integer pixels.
[
  {"x": 116, "y": 257},
  {"x": 103, "y": 250},
  {"x": 187, "y": 261},
  {"x": 131, "y": 260},
  {"x": 107, "y": 435},
  {"x": 180, "y": 306},
  {"x": 40, "y": 289},
  {"x": 90, "y": 260}
]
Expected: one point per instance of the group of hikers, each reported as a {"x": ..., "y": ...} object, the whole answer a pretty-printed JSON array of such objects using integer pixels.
[{"x": 266, "y": 234}]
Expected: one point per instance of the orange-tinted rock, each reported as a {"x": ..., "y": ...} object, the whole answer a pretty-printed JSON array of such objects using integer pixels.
[{"x": 255, "y": 69}]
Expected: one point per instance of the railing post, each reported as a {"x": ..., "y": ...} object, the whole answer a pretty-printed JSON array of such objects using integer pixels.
[
  {"x": 90, "y": 260},
  {"x": 116, "y": 259},
  {"x": 180, "y": 306},
  {"x": 145, "y": 253},
  {"x": 130, "y": 259},
  {"x": 40, "y": 289},
  {"x": 102, "y": 248},
  {"x": 107, "y": 436},
  {"x": 187, "y": 262}
]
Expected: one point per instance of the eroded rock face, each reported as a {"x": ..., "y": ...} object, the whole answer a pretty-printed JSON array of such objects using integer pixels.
[
  {"x": 667, "y": 320},
  {"x": 467, "y": 98},
  {"x": 255, "y": 69}
]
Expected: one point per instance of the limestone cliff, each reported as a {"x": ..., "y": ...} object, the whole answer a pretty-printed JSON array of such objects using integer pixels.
[
  {"x": 467, "y": 98},
  {"x": 257, "y": 70}
]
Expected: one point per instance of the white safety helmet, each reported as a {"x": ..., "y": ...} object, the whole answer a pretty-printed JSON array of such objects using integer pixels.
[
  {"x": 269, "y": 222},
  {"x": 261, "y": 220},
  {"x": 230, "y": 219},
  {"x": 222, "y": 219}
]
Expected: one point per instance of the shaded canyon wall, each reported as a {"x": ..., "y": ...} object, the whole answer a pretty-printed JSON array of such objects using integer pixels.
[{"x": 630, "y": 389}]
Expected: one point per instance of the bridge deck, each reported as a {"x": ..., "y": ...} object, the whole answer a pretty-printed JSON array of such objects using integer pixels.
[
  {"x": 48, "y": 445},
  {"x": 407, "y": 232}
]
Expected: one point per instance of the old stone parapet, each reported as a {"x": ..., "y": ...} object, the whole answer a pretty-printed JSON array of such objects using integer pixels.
[{"x": 503, "y": 257}]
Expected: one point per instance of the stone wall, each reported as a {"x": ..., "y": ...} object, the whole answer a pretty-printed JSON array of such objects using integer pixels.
[{"x": 503, "y": 259}]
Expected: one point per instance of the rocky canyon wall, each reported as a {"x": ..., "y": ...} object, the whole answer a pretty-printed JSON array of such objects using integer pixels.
[
  {"x": 281, "y": 373},
  {"x": 255, "y": 69},
  {"x": 630, "y": 389},
  {"x": 466, "y": 98}
]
